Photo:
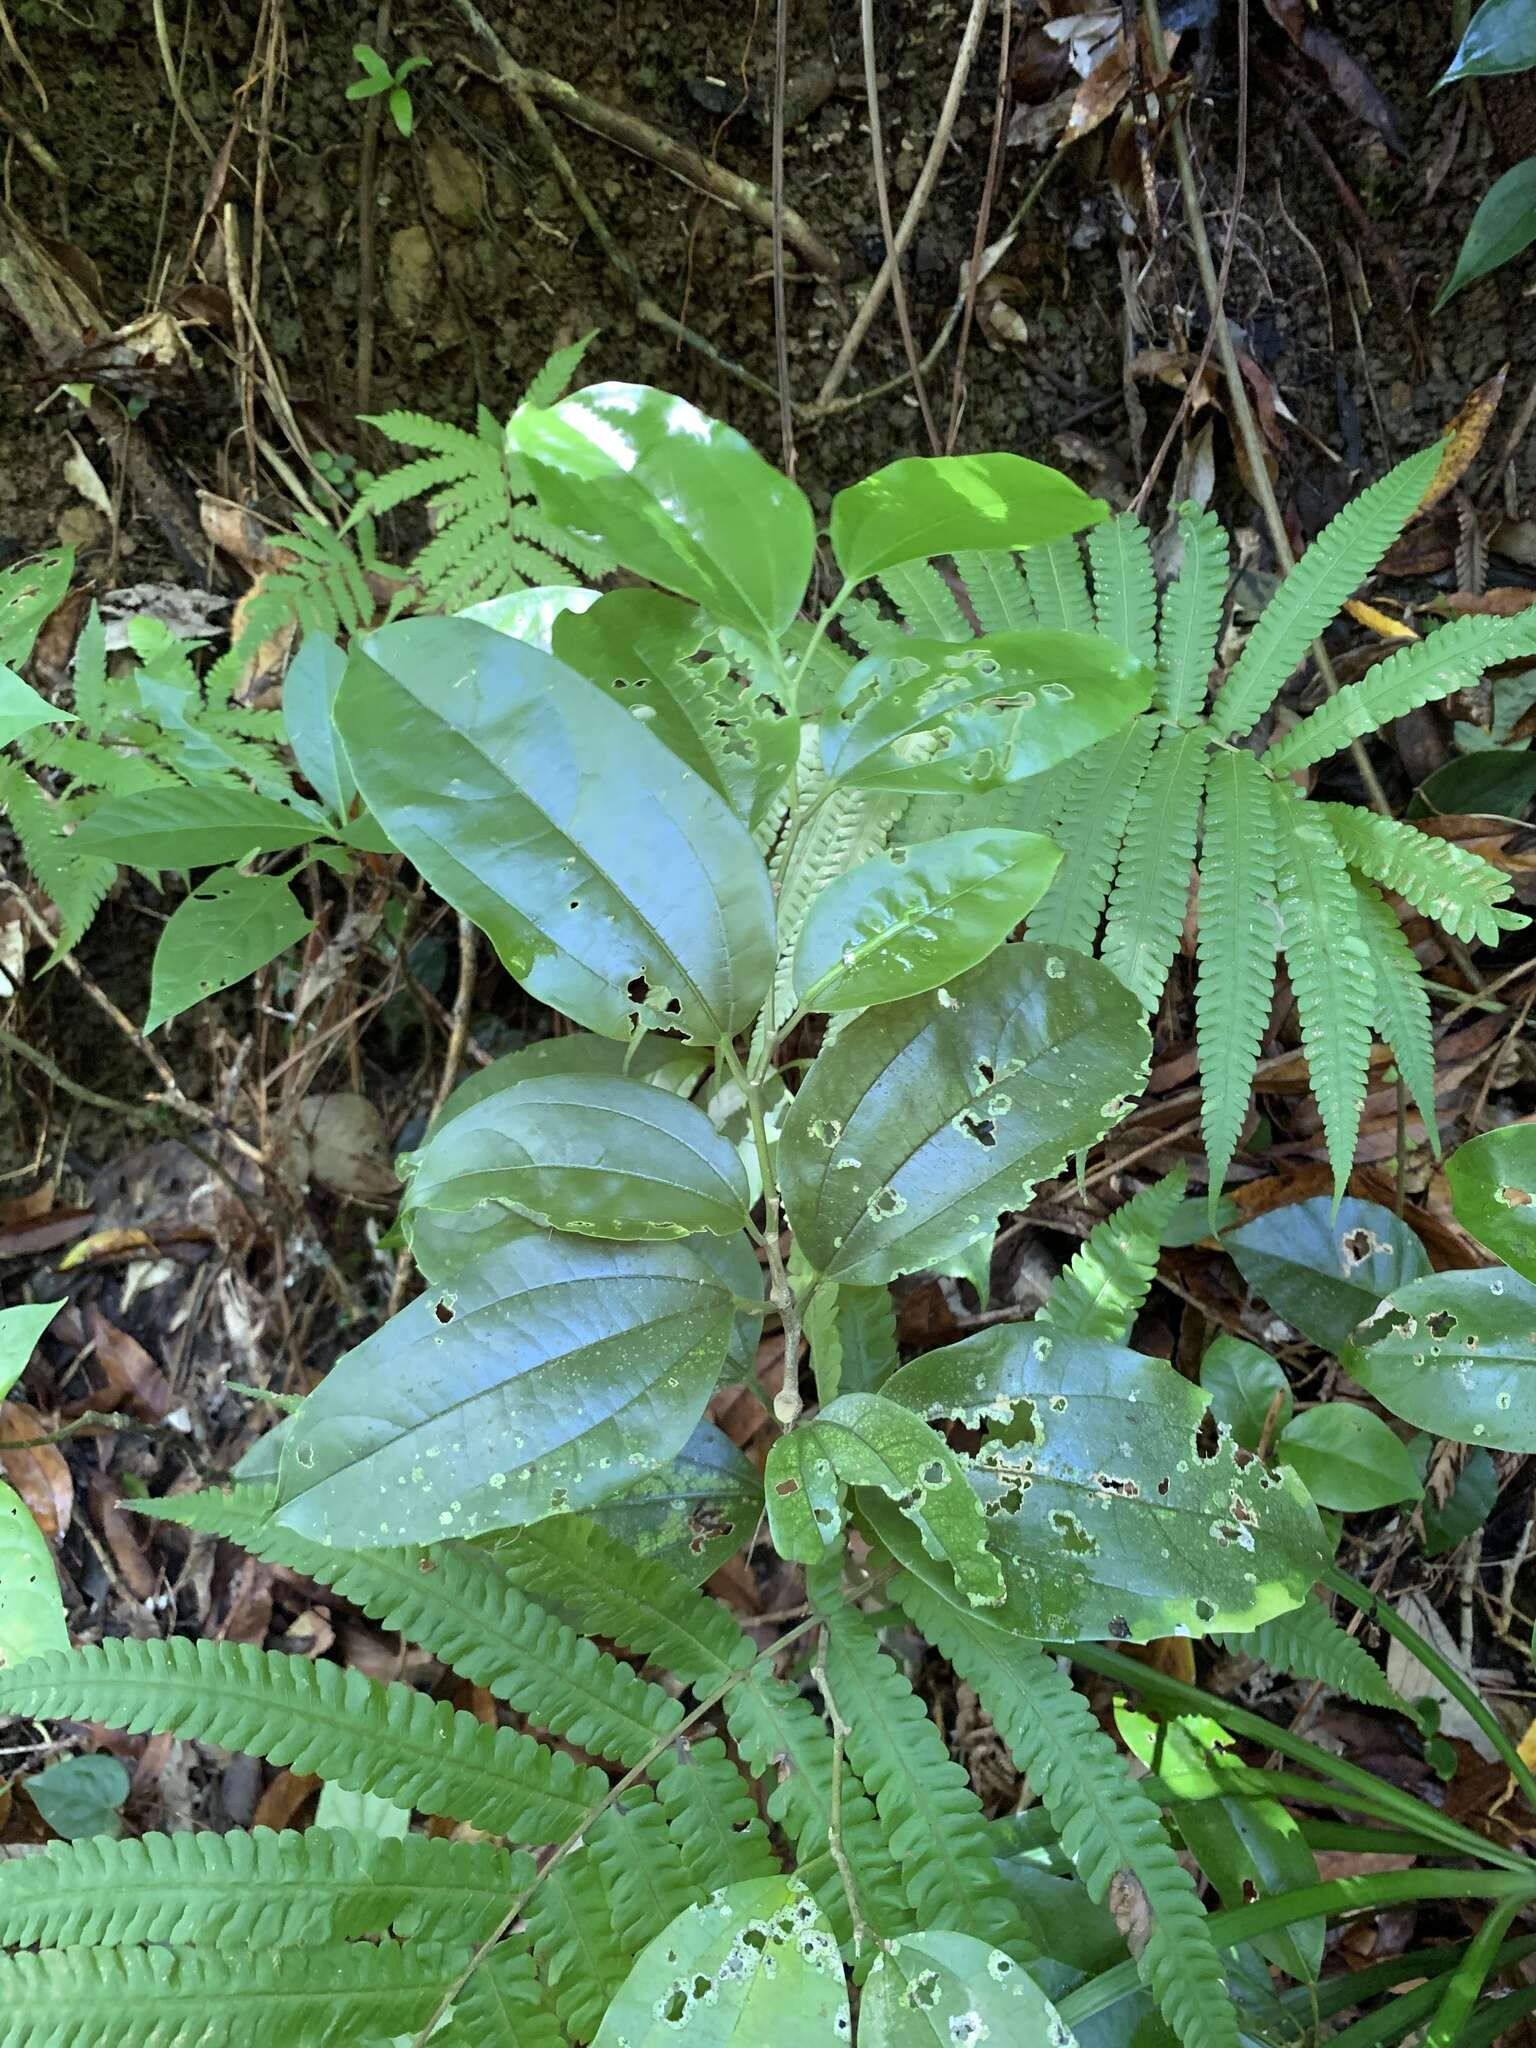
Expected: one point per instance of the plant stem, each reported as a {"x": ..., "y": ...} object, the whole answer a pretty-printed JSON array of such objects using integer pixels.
[{"x": 787, "y": 1403}]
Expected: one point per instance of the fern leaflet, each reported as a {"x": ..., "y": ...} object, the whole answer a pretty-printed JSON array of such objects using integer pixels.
[
  {"x": 1238, "y": 939},
  {"x": 927, "y": 605},
  {"x": 995, "y": 585},
  {"x": 1100, "y": 1293},
  {"x": 1308, "y": 1643},
  {"x": 1124, "y": 585},
  {"x": 711, "y": 1815},
  {"x": 1058, "y": 587},
  {"x": 1151, "y": 892},
  {"x": 1402, "y": 1002},
  {"x": 570, "y": 1923},
  {"x": 1100, "y": 788},
  {"x": 500, "y": 2005},
  {"x": 1191, "y": 620},
  {"x": 643, "y": 1870},
  {"x": 1459, "y": 890}
]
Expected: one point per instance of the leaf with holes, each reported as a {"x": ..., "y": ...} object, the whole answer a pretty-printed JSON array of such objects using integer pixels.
[
  {"x": 1244, "y": 1386},
  {"x": 935, "y": 504},
  {"x": 1493, "y": 1192},
  {"x": 615, "y": 884},
  {"x": 1348, "y": 1459},
  {"x": 924, "y": 1119},
  {"x": 933, "y": 1990},
  {"x": 230, "y": 926},
  {"x": 697, "y": 1509},
  {"x": 1108, "y": 1516},
  {"x": 1455, "y": 1353},
  {"x": 551, "y": 1373},
  {"x": 1324, "y": 1273}
]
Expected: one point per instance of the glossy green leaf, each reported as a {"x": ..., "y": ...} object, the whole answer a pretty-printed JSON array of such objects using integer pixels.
[
  {"x": 22, "y": 709},
  {"x": 916, "y": 916},
  {"x": 229, "y": 926},
  {"x": 20, "y": 1328},
  {"x": 1500, "y": 37},
  {"x": 614, "y": 883},
  {"x": 31, "y": 1606},
  {"x": 309, "y": 705},
  {"x": 640, "y": 646},
  {"x": 676, "y": 496},
  {"x": 191, "y": 828},
  {"x": 531, "y": 615},
  {"x": 30, "y": 592},
  {"x": 752, "y": 1963},
  {"x": 597, "y": 1154},
  {"x": 663, "y": 1062},
  {"x": 1493, "y": 1192},
  {"x": 1348, "y": 1459},
  {"x": 1108, "y": 1517},
  {"x": 693, "y": 1512},
  {"x": 82, "y": 1796},
  {"x": 1473, "y": 1499},
  {"x": 924, "y": 1119},
  {"x": 1242, "y": 1383},
  {"x": 1325, "y": 1273},
  {"x": 547, "y": 1376},
  {"x": 1455, "y": 1353},
  {"x": 1503, "y": 226},
  {"x": 933, "y": 1990},
  {"x": 445, "y": 1243},
  {"x": 804, "y": 1497},
  {"x": 964, "y": 716},
  {"x": 940, "y": 504}
]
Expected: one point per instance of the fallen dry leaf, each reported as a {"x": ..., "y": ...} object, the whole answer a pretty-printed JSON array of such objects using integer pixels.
[
  {"x": 132, "y": 1375},
  {"x": 40, "y": 1476},
  {"x": 1465, "y": 436}
]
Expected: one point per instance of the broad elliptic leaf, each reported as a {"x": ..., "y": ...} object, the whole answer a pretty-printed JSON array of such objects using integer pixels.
[
  {"x": 1493, "y": 1192},
  {"x": 943, "y": 504},
  {"x": 663, "y": 1062},
  {"x": 935, "y": 1989},
  {"x": 944, "y": 716},
  {"x": 596, "y": 1154},
  {"x": 614, "y": 883},
  {"x": 693, "y": 1512},
  {"x": 915, "y": 916},
  {"x": 1500, "y": 37},
  {"x": 1473, "y": 1499},
  {"x": 31, "y": 1606},
  {"x": 1348, "y": 1459},
  {"x": 680, "y": 498},
  {"x": 1455, "y": 1353},
  {"x": 1245, "y": 1386},
  {"x": 22, "y": 709},
  {"x": 230, "y": 925},
  {"x": 1109, "y": 1519},
  {"x": 924, "y": 1119},
  {"x": 752, "y": 1963},
  {"x": 20, "y": 1329},
  {"x": 1325, "y": 1273},
  {"x": 531, "y": 615},
  {"x": 804, "y": 1496},
  {"x": 192, "y": 828},
  {"x": 309, "y": 705},
  {"x": 1503, "y": 225},
  {"x": 546, "y": 1377},
  {"x": 82, "y": 1796},
  {"x": 30, "y": 592}
]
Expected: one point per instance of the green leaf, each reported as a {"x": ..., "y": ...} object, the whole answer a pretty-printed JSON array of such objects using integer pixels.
[
  {"x": 309, "y": 707},
  {"x": 82, "y": 1796},
  {"x": 1493, "y": 1193},
  {"x": 22, "y": 709},
  {"x": 1241, "y": 1382},
  {"x": 674, "y": 495},
  {"x": 928, "y": 505},
  {"x": 31, "y": 1605},
  {"x": 401, "y": 111},
  {"x": 913, "y": 917},
  {"x": 1348, "y": 1459},
  {"x": 614, "y": 883},
  {"x": 663, "y": 1062},
  {"x": 20, "y": 1329},
  {"x": 191, "y": 828},
  {"x": 926, "y": 1118},
  {"x": 992, "y": 711},
  {"x": 755, "y": 1962},
  {"x": 697, "y": 1509},
  {"x": 1455, "y": 1353},
  {"x": 1473, "y": 1499},
  {"x": 1325, "y": 1272},
  {"x": 941, "y": 1987},
  {"x": 1100, "y": 788},
  {"x": 1500, "y": 37},
  {"x": 1503, "y": 226},
  {"x": 1151, "y": 892},
  {"x": 548, "y": 1375},
  {"x": 804, "y": 1496},
  {"x": 599, "y": 1155},
  {"x": 228, "y": 927},
  {"x": 1125, "y": 585},
  {"x": 1058, "y": 588},
  {"x": 371, "y": 61},
  {"x": 1402, "y": 1002},
  {"x": 1107, "y": 1517},
  {"x": 1191, "y": 620},
  {"x": 1459, "y": 890},
  {"x": 1238, "y": 940},
  {"x": 30, "y": 593},
  {"x": 1100, "y": 1292}
]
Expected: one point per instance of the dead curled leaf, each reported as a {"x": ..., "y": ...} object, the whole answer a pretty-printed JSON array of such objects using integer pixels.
[
  {"x": 131, "y": 1374},
  {"x": 40, "y": 1476},
  {"x": 1464, "y": 438}
]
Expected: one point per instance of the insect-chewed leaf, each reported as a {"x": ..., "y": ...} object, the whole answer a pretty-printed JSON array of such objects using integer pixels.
[
  {"x": 192, "y": 828},
  {"x": 1107, "y": 1517},
  {"x": 31, "y": 1606},
  {"x": 678, "y": 497},
  {"x": 914, "y": 916},
  {"x": 1455, "y": 1353},
  {"x": 1325, "y": 1271},
  {"x": 1493, "y": 1191},
  {"x": 942, "y": 1987},
  {"x": 941, "y": 715},
  {"x": 596, "y": 1154},
  {"x": 30, "y": 592},
  {"x": 614, "y": 883},
  {"x": 754, "y": 1962},
  {"x": 939, "y": 504},
  {"x": 926, "y": 1118},
  {"x": 697, "y": 1509},
  {"x": 552, "y": 1372},
  {"x": 804, "y": 1496},
  {"x": 228, "y": 927}
]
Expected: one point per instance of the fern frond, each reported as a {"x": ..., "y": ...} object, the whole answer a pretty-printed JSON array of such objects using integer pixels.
[
  {"x": 1402, "y": 1002},
  {"x": 570, "y": 1924},
  {"x": 268, "y": 1890},
  {"x": 711, "y": 1815},
  {"x": 1309, "y": 598},
  {"x": 365, "y": 1737},
  {"x": 1451, "y": 659},
  {"x": 554, "y": 379},
  {"x": 1096, "y": 799},
  {"x": 928, "y": 607},
  {"x": 452, "y": 445},
  {"x": 1058, "y": 585},
  {"x": 1329, "y": 965},
  {"x": 643, "y": 1870},
  {"x": 1191, "y": 619},
  {"x": 1101, "y": 1292},
  {"x": 76, "y": 883},
  {"x": 456, "y": 1601},
  {"x": 1463, "y": 893},
  {"x": 995, "y": 585},
  {"x": 1308, "y": 1643},
  {"x": 1107, "y": 1824},
  {"x": 1151, "y": 892},
  {"x": 781, "y": 1737},
  {"x": 332, "y": 1996},
  {"x": 90, "y": 672},
  {"x": 1124, "y": 585},
  {"x": 1238, "y": 939},
  {"x": 502, "y": 2005}
]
